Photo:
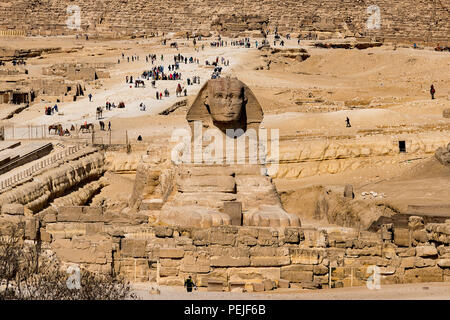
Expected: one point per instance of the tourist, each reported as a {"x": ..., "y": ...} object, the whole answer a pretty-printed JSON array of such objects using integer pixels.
[
  {"x": 189, "y": 284},
  {"x": 348, "y": 122},
  {"x": 109, "y": 125},
  {"x": 432, "y": 92},
  {"x": 90, "y": 97}
]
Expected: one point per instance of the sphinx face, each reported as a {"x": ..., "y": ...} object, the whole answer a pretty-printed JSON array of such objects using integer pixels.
[{"x": 225, "y": 100}]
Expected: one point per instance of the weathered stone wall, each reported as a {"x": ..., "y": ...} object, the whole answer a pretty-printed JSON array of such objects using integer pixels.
[
  {"x": 56, "y": 180},
  {"x": 335, "y": 155},
  {"x": 250, "y": 257},
  {"x": 420, "y": 19}
]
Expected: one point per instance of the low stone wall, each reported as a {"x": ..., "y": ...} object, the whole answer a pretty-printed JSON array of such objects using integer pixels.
[{"x": 255, "y": 258}]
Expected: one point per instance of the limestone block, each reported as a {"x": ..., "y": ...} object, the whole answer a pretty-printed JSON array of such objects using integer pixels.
[
  {"x": 151, "y": 204},
  {"x": 207, "y": 184},
  {"x": 212, "y": 200},
  {"x": 221, "y": 261},
  {"x": 443, "y": 263},
  {"x": 320, "y": 279},
  {"x": 215, "y": 285},
  {"x": 408, "y": 262},
  {"x": 221, "y": 238},
  {"x": 195, "y": 263},
  {"x": 270, "y": 216},
  {"x": 306, "y": 256},
  {"x": 420, "y": 236},
  {"x": 420, "y": 262},
  {"x": 320, "y": 270},
  {"x": 193, "y": 216},
  {"x": 45, "y": 236},
  {"x": 168, "y": 271},
  {"x": 80, "y": 214},
  {"x": 228, "y": 251},
  {"x": 258, "y": 286},
  {"x": 293, "y": 235},
  {"x": 446, "y": 113},
  {"x": 386, "y": 231},
  {"x": 415, "y": 223},
  {"x": 215, "y": 274},
  {"x": 248, "y": 231},
  {"x": 163, "y": 232},
  {"x": 186, "y": 171},
  {"x": 269, "y": 261},
  {"x": 13, "y": 209},
  {"x": 444, "y": 252},
  {"x": 402, "y": 237},
  {"x": 426, "y": 251},
  {"x": 253, "y": 274},
  {"x": 283, "y": 283},
  {"x": 269, "y": 252},
  {"x": 49, "y": 218},
  {"x": 31, "y": 228},
  {"x": 167, "y": 262},
  {"x": 234, "y": 211},
  {"x": 236, "y": 286},
  {"x": 269, "y": 285},
  {"x": 296, "y": 273},
  {"x": 314, "y": 238},
  {"x": 133, "y": 248},
  {"x": 428, "y": 274},
  {"x": 246, "y": 240},
  {"x": 171, "y": 281},
  {"x": 348, "y": 191},
  {"x": 406, "y": 252},
  {"x": 172, "y": 253},
  {"x": 93, "y": 250}
]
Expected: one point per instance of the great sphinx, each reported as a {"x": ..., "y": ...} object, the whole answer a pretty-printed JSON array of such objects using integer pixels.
[{"x": 203, "y": 192}]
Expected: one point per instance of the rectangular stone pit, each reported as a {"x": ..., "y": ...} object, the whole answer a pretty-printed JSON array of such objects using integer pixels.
[{"x": 215, "y": 285}]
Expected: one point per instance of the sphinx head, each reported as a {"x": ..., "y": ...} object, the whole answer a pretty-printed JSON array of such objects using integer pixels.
[{"x": 226, "y": 100}]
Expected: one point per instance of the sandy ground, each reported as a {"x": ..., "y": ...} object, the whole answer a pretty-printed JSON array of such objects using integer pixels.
[
  {"x": 379, "y": 89},
  {"x": 415, "y": 291}
]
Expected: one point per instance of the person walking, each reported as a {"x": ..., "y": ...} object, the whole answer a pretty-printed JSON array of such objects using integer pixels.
[
  {"x": 109, "y": 125},
  {"x": 90, "y": 97},
  {"x": 432, "y": 92},
  {"x": 348, "y": 122},
  {"x": 189, "y": 284}
]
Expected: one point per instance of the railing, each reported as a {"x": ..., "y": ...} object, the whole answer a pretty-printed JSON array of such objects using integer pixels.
[
  {"x": 11, "y": 132},
  {"x": 44, "y": 163}
]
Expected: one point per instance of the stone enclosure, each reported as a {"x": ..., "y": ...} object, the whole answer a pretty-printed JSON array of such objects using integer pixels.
[{"x": 253, "y": 258}]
